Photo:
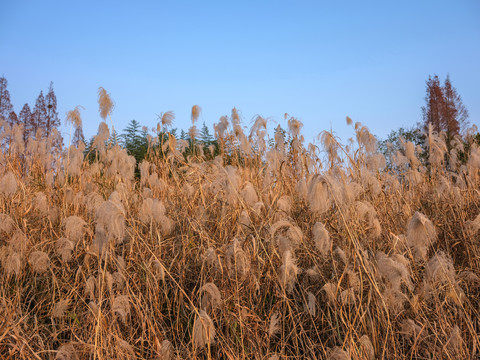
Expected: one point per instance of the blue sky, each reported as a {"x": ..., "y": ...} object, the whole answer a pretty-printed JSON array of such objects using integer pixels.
[{"x": 319, "y": 61}]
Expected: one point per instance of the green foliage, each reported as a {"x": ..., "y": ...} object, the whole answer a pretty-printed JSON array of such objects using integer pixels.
[
  {"x": 134, "y": 140},
  {"x": 393, "y": 143},
  {"x": 205, "y": 135}
]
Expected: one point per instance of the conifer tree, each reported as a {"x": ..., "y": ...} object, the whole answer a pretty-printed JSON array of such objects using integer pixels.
[
  {"x": 444, "y": 108},
  {"x": 5, "y": 104},
  {"x": 39, "y": 116},
  {"x": 455, "y": 113},
  {"x": 25, "y": 118},
  {"x": 205, "y": 135},
  {"x": 52, "y": 119},
  {"x": 78, "y": 136},
  {"x": 135, "y": 141},
  {"x": 183, "y": 134},
  {"x": 12, "y": 118}
]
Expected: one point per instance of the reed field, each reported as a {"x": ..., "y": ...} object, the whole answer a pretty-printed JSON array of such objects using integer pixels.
[{"x": 260, "y": 247}]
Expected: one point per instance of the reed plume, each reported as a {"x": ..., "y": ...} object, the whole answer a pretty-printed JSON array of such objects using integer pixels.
[
  {"x": 421, "y": 234},
  {"x": 105, "y": 103},
  {"x": 203, "y": 333}
]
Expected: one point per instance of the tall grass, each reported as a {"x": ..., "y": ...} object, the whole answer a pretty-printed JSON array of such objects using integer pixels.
[{"x": 280, "y": 251}]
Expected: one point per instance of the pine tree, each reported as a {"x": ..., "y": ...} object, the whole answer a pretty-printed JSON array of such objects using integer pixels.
[
  {"x": 205, "y": 135},
  {"x": 113, "y": 139},
  {"x": 39, "y": 116},
  {"x": 25, "y": 118},
  {"x": 135, "y": 141},
  {"x": 5, "y": 105},
  {"x": 183, "y": 135}
]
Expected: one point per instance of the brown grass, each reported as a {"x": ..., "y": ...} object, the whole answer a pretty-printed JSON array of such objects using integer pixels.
[{"x": 239, "y": 257}]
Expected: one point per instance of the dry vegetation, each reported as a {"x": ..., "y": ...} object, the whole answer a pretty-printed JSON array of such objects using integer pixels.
[{"x": 260, "y": 253}]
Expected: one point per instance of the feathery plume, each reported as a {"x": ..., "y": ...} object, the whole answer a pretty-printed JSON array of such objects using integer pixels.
[
  {"x": 74, "y": 117},
  {"x": 166, "y": 350},
  {"x": 64, "y": 248},
  {"x": 8, "y": 184},
  {"x": 167, "y": 118},
  {"x": 236, "y": 259},
  {"x": 440, "y": 275},
  {"x": 11, "y": 261},
  {"x": 158, "y": 270},
  {"x": 394, "y": 270},
  {"x": 366, "y": 347},
  {"x": 421, "y": 234},
  {"x": 455, "y": 340},
  {"x": 321, "y": 238},
  {"x": 193, "y": 132},
  {"x": 153, "y": 210},
  {"x": 121, "y": 307},
  {"x": 118, "y": 280},
  {"x": 195, "y": 113},
  {"x": 40, "y": 203},
  {"x": 318, "y": 198},
  {"x": 274, "y": 327},
  {"x": 39, "y": 261},
  {"x": 410, "y": 329},
  {"x": 126, "y": 348},
  {"x": 288, "y": 272},
  {"x": 18, "y": 241},
  {"x": 338, "y": 354},
  {"x": 212, "y": 259},
  {"x": 211, "y": 297},
  {"x": 60, "y": 308},
  {"x": 105, "y": 103},
  {"x": 339, "y": 255},
  {"x": 284, "y": 203},
  {"x": 74, "y": 228},
  {"x": 249, "y": 194},
  {"x": 110, "y": 217},
  {"x": 90, "y": 286},
  {"x": 294, "y": 126},
  {"x": 311, "y": 304},
  {"x": 93, "y": 201},
  {"x": 473, "y": 225},
  {"x": 100, "y": 241},
  {"x": 6, "y": 223},
  {"x": 203, "y": 330},
  {"x": 66, "y": 352},
  {"x": 347, "y": 297}
]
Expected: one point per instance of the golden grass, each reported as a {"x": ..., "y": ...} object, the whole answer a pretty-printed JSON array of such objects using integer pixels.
[{"x": 260, "y": 253}]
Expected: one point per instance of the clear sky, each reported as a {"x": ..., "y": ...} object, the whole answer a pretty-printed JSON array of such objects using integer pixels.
[{"x": 316, "y": 60}]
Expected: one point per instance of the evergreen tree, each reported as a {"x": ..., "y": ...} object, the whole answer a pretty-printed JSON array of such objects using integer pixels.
[
  {"x": 135, "y": 141},
  {"x": 39, "y": 116},
  {"x": 183, "y": 135},
  {"x": 90, "y": 153},
  {"x": 25, "y": 118},
  {"x": 113, "y": 139},
  {"x": 5, "y": 105},
  {"x": 205, "y": 135}
]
